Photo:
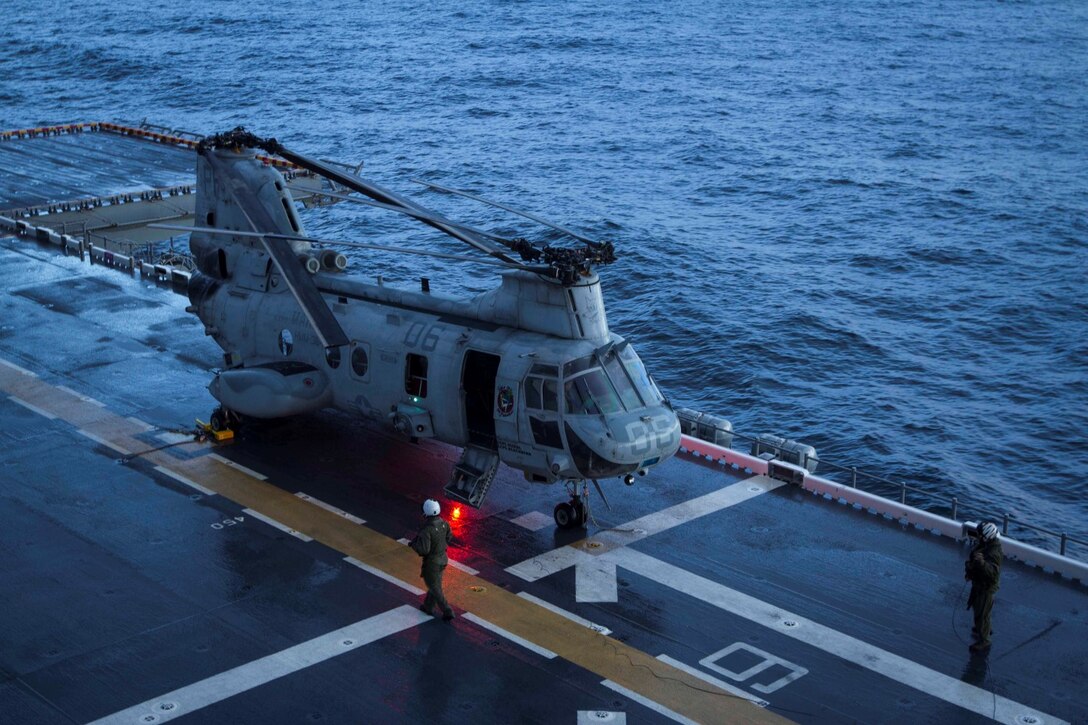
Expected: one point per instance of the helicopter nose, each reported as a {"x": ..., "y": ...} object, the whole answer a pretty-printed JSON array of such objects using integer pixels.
[{"x": 625, "y": 441}]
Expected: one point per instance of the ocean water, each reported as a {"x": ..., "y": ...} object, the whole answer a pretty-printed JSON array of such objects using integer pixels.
[{"x": 863, "y": 226}]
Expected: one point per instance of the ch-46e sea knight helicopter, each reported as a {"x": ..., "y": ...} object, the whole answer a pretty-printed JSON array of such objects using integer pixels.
[{"x": 527, "y": 374}]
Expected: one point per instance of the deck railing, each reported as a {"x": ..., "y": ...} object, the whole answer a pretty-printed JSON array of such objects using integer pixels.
[{"x": 951, "y": 506}]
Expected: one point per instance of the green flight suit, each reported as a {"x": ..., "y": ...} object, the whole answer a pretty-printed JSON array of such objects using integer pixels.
[
  {"x": 430, "y": 543},
  {"x": 984, "y": 572}
]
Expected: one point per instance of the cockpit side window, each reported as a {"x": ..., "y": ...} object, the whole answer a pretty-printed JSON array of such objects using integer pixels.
[
  {"x": 622, "y": 382},
  {"x": 641, "y": 378},
  {"x": 541, "y": 394}
]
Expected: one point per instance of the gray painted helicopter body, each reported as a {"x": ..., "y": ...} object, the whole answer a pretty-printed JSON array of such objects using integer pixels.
[{"x": 527, "y": 373}]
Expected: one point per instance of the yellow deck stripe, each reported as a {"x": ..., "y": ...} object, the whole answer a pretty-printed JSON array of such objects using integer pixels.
[{"x": 606, "y": 657}]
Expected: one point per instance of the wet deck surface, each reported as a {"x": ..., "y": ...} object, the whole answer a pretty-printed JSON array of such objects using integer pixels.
[
  {"x": 262, "y": 581},
  {"x": 122, "y": 585}
]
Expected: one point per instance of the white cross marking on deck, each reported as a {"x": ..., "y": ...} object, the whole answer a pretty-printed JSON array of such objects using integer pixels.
[
  {"x": 595, "y": 579},
  {"x": 245, "y": 677}
]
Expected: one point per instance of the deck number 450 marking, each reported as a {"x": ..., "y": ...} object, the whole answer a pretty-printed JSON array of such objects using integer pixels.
[
  {"x": 769, "y": 660},
  {"x": 219, "y": 525}
]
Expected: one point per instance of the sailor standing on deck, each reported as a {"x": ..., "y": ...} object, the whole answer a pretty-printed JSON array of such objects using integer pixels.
[
  {"x": 983, "y": 570},
  {"x": 430, "y": 543}
]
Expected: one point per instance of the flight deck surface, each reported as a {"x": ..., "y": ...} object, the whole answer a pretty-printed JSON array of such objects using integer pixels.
[{"x": 262, "y": 581}]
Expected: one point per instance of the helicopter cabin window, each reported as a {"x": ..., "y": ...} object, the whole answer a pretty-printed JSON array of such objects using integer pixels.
[
  {"x": 415, "y": 375},
  {"x": 541, "y": 394},
  {"x": 360, "y": 363},
  {"x": 332, "y": 357}
]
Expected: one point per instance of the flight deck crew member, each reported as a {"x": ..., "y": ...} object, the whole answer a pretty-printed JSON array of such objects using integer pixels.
[
  {"x": 430, "y": 543},
  {"x": 983, "y": 570}
]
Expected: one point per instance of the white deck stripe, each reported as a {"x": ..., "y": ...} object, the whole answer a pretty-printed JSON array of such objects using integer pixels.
[
  {"x": 31, "y": 407},
  {"x": 510, "y": 636},
  {"x": 564, "y": 613},
  {"x": 81, "y": 396},
  {"x": 330, "y": 507},
  {"x": 687, "y": 511},
  {"x": 183, "y": 479},
  {"x": 894, "y": 667},
  {"x": 15, "y": 367},
  {"x": 382, "y": 575},
  {"x": 103, "y": 442},
  {"x": 713, "y": 680},
  {"x": 272, "y": 522},
  {"x": 217, "y": 688},
  {"x": 238, "y": 466},
  {"x": 143, "y": 425},
  {"x": 556, "y": 560},
  {"x": 647, "y": 702}
]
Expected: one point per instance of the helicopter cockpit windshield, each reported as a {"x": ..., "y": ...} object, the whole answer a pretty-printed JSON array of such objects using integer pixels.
[{"x": 612, "y": 382}]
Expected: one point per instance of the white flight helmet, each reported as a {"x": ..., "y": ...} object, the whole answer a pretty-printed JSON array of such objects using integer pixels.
[
  {"x": 988, "y": 531},
  {"x": 431, "y": 507}
]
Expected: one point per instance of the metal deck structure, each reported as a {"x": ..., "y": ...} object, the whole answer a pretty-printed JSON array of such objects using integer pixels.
[{"x": 267, "y": 581}]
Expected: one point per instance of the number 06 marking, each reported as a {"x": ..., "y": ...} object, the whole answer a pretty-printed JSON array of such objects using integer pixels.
[{"x": 769, "y": 660}]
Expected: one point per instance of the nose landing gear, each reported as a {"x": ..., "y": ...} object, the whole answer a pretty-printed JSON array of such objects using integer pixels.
[{"x": 574, "y": 513}]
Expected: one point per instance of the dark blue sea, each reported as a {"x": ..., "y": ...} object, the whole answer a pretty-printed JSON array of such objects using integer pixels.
[{"x": 861, "y": 225}]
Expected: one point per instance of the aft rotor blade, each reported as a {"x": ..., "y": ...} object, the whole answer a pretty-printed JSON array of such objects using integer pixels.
[
  {"x": 360, "y": 245},
  {"x": 422, "y": 216},
  {"x": 377, "y": 193},
  {"x": 299, "y": 283},
  {"x": 510, "y": 209}
]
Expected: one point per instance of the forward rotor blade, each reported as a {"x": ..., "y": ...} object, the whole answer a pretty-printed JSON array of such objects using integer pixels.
[
  {"x": 422, "y": 216},
  {"x": 359, "y": 245},
  {"x": 510, "y": 209}
]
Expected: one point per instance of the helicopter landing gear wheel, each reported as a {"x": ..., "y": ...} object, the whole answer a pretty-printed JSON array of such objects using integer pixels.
[
  {"x": 574, "y": 513},
  {"x": 218, "y": 421},
  {"x": 564, "y": 515}
]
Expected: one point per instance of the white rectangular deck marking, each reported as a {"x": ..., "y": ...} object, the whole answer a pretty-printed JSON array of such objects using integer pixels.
[
  {"x": 556, "y": 560},
  {"x": 534, "y": 521},
  {"x": 593, "y": 717},
  {"x": 382, "y": 575},
  {"x": 564, "y": 613},
  {"x": 217, "y": 688},
  {"x": 510, "y": 636},
  {"x": 15, "y": 367},
  {"x": 272, "y": 522},
  {"x": 892, "y": 666},
  {"x": 183, "y": 479},
  {"x": 238, "y": 466},
  {"x": 595, "y": 581},
  {"x": 455, "y": 564},
  {"x": 103, "y": 441},
  {"x": 713, "y": 680},
  {"x": 647, "y": 702},
  {"x": 329, "y": 507},
  {"x": 32, "y": 408},
  {"x": 143, "y": 425}
]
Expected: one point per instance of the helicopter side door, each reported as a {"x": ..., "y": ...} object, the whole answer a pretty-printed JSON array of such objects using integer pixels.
[{"x": 478, "y": 387}]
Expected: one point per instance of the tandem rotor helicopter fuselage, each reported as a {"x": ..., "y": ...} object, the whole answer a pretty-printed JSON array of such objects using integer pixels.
[{"x": 527, "y": 374}]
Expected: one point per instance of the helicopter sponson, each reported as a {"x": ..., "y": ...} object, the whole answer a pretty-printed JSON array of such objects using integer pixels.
[{"x": 527, "y": 373}]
